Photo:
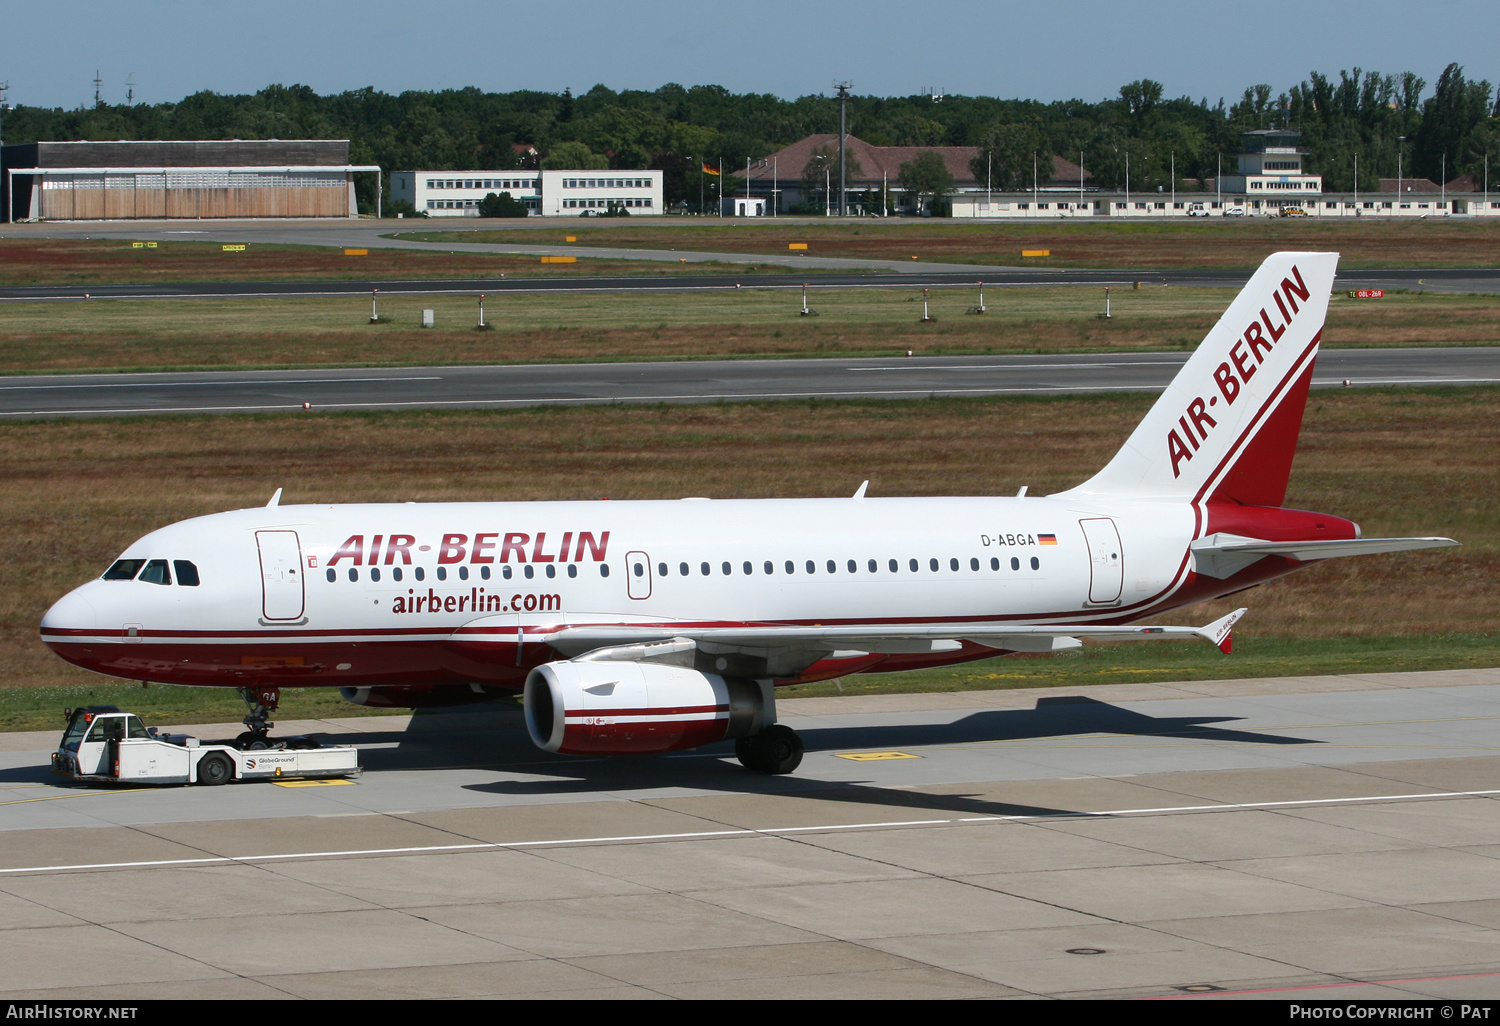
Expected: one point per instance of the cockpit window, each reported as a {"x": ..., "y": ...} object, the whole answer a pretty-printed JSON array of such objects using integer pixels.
[
  {"x": 187, "y": 573},
  {"x": 124, "y": 570},
  {"x": 156, "y": 572}
]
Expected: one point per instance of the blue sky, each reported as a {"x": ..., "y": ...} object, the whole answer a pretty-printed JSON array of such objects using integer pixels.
[{"x": 1049, "y": 51}]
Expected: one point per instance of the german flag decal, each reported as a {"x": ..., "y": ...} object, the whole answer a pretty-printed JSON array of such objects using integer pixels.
[{"x": 1046, "y": 539}]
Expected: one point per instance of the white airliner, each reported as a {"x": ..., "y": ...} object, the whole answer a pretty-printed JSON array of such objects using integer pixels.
[{"x": 656, "y": 626}]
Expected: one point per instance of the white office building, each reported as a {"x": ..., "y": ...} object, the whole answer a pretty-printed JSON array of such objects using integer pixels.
[
  {"x": 545, "y": 193},
  {"x": 590, "y": 193},
  {"x": 457, "y": 193}
]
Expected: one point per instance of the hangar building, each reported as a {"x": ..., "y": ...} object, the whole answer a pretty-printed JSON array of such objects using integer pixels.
[{"x": 81, "y": 181}]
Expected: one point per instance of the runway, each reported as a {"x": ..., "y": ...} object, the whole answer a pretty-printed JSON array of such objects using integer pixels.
[
  {"x": 515, "y": 386},
  {"x": 1308, "y": 839}
]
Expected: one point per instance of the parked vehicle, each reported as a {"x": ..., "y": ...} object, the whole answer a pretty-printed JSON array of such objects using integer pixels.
[{"x": 101, "y": 743}]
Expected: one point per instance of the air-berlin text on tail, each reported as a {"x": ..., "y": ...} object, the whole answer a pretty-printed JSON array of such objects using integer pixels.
[
  {"x": 479, "y": 547},
  {"x": 1245, "y": 357}
]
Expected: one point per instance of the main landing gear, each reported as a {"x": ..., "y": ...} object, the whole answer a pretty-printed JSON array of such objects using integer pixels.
[
  {"x": 775, "y": 750},
  {"x": 262, "y": 703}
]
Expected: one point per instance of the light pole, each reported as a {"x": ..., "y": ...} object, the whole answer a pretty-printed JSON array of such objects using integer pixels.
[
  {"x": 843, "y": 88},
  {"x": 1400, "y": 145}
]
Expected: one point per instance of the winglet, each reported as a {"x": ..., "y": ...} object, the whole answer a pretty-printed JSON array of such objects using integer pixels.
[
  {"x": 1221, "y": 631},
  {"x": 861, "y": 493},
  {"x": 275, "y": 499}
]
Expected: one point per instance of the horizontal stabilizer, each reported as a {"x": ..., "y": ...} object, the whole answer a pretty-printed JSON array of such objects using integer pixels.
[{"x": 1223, "y": 555}]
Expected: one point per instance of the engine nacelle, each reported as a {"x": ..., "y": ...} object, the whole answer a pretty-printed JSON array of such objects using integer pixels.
[{"x": 621, "y": 708}]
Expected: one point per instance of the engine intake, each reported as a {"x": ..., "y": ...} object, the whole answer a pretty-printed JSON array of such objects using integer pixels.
[{"x": 621, "y": 708}]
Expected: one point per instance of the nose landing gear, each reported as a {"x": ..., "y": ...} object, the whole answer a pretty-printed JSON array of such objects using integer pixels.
[{"x": 262, "y": 702}]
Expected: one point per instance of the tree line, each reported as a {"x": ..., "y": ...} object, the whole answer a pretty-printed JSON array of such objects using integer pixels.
[{"x": 1383, "y": 119}]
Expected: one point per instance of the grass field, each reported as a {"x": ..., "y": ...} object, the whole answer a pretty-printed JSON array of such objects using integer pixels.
[
  {"x": 28, "y": 261},
  {"x": 1399, "y": 462},
  {"x": 1090, "y": 243},
  {"x": 216, "y": 333}
]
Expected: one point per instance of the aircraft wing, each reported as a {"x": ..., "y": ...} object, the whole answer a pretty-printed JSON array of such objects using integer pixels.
[
  {"x": 624, "y": 641},
  {"x": 1222, "y": 555}
]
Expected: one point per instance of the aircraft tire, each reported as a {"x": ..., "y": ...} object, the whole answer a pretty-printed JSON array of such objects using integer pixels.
[
  {"x": 777, "y": 750},
  {"x": 744, "y": 750},
  {"x": 214, "y": 770}
]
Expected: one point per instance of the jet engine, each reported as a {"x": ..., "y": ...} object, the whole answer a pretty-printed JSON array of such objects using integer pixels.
[{"x": 620, "y": 708}]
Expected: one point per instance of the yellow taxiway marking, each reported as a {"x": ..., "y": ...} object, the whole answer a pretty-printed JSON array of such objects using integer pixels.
[
  {"x": 75, "y": 794},
  {"x": 310, "y": 783},
  {"x": 876, "y": 756}
]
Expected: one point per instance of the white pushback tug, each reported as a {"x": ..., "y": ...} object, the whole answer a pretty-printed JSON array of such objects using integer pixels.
[{"x": 102, "y": 744}]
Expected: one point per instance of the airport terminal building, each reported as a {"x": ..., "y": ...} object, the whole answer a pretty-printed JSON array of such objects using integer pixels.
[{"x": 231, "y": 178}]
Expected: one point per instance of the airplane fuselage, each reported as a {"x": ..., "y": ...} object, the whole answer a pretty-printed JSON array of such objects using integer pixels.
[{"x": 401, "y": 594}]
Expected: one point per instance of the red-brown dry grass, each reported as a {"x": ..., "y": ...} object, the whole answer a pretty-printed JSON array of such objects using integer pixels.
[
  {"x": 1216, "y": 243},
  {"x": 73, "y": 494},
  {"x": 26, "y": 261}
]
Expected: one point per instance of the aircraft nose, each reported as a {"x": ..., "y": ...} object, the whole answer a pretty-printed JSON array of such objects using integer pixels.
[{"x": 73, "y": 612}]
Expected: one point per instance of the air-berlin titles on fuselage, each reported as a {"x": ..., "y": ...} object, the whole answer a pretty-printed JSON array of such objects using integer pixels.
[
  {"x": 1245, "y": 356},
  {"x": 486, "y": 547}
]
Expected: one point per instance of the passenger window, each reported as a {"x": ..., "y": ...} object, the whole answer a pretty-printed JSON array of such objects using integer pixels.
[
  {"x": 873, "y": 566},
  {"x": 704, "y": 569},
  {"x": 442, "y": 573},
  {"x": 603, "y": 570},
  {"x": 661, "y": 569},
  {"x": 353, "y": 575},
  {"x": 484, "y": 573},
  {"x": 994, "y": 562},
  {"x": 894, "y": 566},
  {"x": 974, "y": 563},
  {"x": 463, "y": 573},
  {"x": 914, "y": 566},
  {"x": 374, "y": 573},
  {"x": 953, "y": 563},
  {"x": 396, "y": 573},
  {"x": 572, "y": 570},
  {"x": 853, "y": 567},
  {"x": 333, "y": 575},
  {"x": 1015, "y": 564},
  {"x": 791, "y": 567},
  {"x": 770, "y": 568},
  {"x": 530, "y": 571},
  {"x": 552, "y": 570},
  {"x": 505, "y": 572},
  {"x": 156, "y": 572},
  {"x": 726, "y": 568},
  {"x": 749, "y": 568},
  {"x": 682, "y": 569},
  {"x": 124, "y": 570},
  {"x": 833, "y": 567},
  {"x": 187, "y": 573},
  {"x": 933, "y": 563},
  {"x": 812, "y": 567},
  {"x": 420, "y": 573},
  {"x": 1036, "y": 564}
]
